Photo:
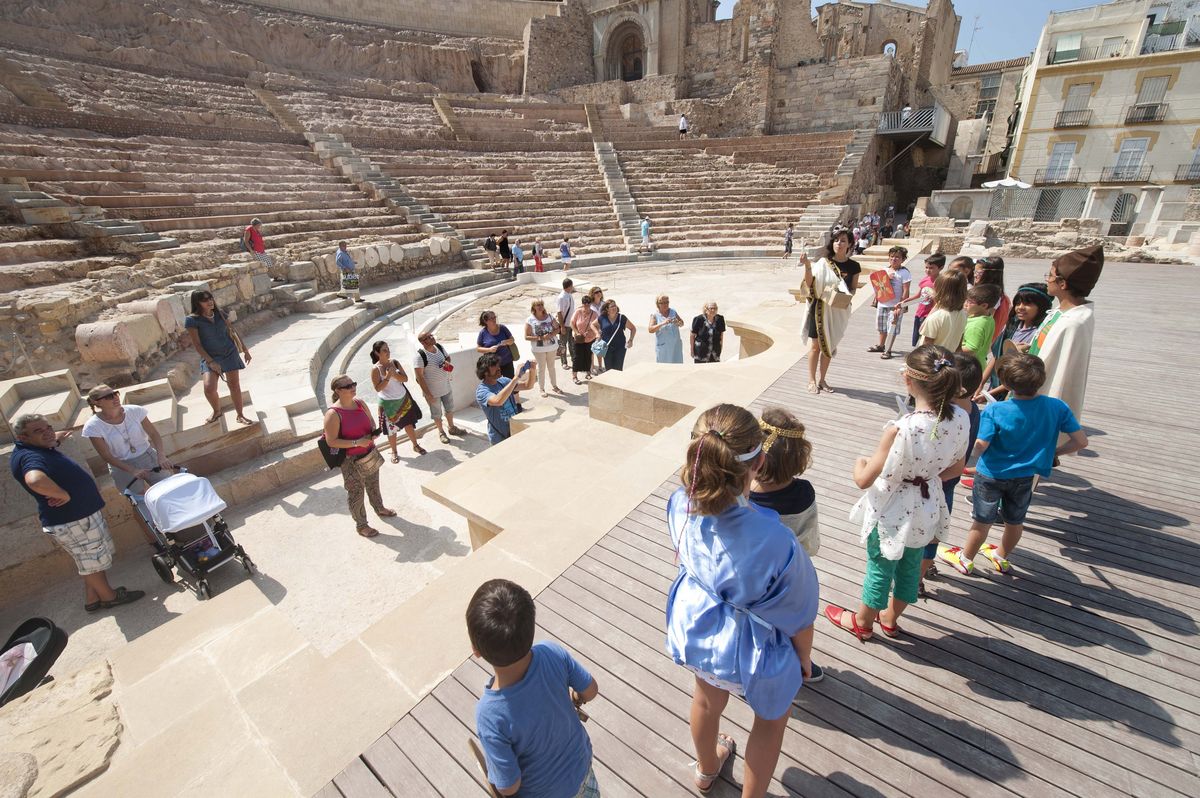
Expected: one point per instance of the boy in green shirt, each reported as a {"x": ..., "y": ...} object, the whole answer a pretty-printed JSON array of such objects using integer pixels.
[{"x": 977, "y": 339}]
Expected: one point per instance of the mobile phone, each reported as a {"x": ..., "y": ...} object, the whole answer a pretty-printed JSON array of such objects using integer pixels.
[{"x": 525, "y": 367}]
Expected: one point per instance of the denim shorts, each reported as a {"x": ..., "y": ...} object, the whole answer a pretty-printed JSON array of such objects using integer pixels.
[{"x": 1006, "y": 500}]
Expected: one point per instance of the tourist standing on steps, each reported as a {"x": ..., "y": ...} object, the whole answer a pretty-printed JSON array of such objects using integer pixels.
[
  {"x": 610, "y": 327},
  {"x": 432, "y": 367},
  {"x": 496, "y": 395},
  {"x": 217, "y": 343},
  {"x": 349, "y": 275},
  {"x": 564, "y": 252},
  {"x": 490, "y": 246},
  {"x": 518, "y": 258},
  {"x": 537, "y": 256},
  {"x": 787, "y": 241},
  {"x": 665, "y": 324},
  {"x": 505, "y": 250},
  {"x": 350, "y": 425},
  {"x": 69, "y": 508},
  {"x": 397, "y": 409},
  {"x": 542, "y": 331},
  {"x": 581, "y": 338},
  {"x": 646, "y": 233},
  {"x": 831, "y": 283},
  {"x": 708, "y": 331},
  {"x": 683, "y": 126},
  {"x": 564, "y": 309},
  {"x": 127, "y": 440},
  {"x": 252, "y": 242}
]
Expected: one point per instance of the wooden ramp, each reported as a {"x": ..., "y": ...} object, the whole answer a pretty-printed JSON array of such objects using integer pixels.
[{"x": 1076, "y": 675}]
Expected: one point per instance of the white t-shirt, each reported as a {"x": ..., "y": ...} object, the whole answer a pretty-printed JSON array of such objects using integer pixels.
[
  {"x": 543, "y": 327},
  {"x": 437, "y": 379},
  {"x": 900, "y": 277},
  {"x": 566, "y": 306},
  {"x": 393, "y": 388},
  {"x": 126, "y": 440}
]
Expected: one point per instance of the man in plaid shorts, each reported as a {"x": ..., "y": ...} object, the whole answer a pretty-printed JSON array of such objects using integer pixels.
[{"x": 69, "y": 506}]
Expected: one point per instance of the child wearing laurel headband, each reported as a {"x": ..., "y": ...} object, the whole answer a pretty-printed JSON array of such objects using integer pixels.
[
  {"x": 778, "y": 486},
  {"x": 903, "y": 507},
  {"x": 741, "y": 610}
]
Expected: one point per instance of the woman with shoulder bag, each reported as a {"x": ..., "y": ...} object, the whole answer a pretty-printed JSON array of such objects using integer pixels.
[
  {"x": 349, "y": 425},
  {"x": 610, "y": 329},
  {"x": 217, "y": 343},
  {"x": 581, "y": 338},
  {"x": 397, "y": 410},
  {"x": 542, "y": 331}
]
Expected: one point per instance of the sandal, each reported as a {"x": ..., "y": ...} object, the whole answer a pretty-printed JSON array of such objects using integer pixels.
[
  {"x": 417, "y": 448},
  {"x": 244, "y": 420},
  {"x": 813, "y": 388},
  {"x": 367, "y": 532},
  {"x": 824, "y": 386},
  {"x": 386, "y": 513},
  {"x": 704, "y": 781},
  {"x": 876, "y": 348},
  {"x": 211, "y": 419},
  {"x": 443, "y": 437},
  {"x": 835, "y": 614},
  {"x": 545, "y": 395},
  {"x": 886, "y": 356},
  {"x": 395, "y": 458},
  {"x": 576, "y": 381},
  {"x": 889, "y": 631},
  {"x": 922, "y": 592}
]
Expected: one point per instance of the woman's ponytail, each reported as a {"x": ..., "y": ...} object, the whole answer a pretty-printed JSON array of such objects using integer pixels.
[
  {"x": 725, "y": 443},
  {"x": 933, "y": 367}
]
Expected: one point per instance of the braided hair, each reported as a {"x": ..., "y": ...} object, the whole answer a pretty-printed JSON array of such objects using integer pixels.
[{"x": 726, "y": 441}]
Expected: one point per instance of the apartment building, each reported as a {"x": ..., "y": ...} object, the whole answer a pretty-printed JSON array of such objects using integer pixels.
[
  {"x": 987, "y": 92},
  {"x": 1110, "y": 116}
]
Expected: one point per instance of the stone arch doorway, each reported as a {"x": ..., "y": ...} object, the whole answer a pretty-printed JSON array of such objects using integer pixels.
[{"x": 626, "y": 56}]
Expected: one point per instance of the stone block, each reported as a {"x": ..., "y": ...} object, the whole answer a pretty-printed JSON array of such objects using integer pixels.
[
  {"x": 371, "y": 256},
  {"x": 455, "y": 246},
  {"x": 396, "y": 254},
  {"x": 261, "y": 284},
  {"x": 167, "y": 309},
  {"x": 186, "y": 288},
  {"x": 415, "y": 251},
  {"x": 55, "y": 214},
  {"x": 227, "y": 295},
  {"x": 118, "y": 340},
  {"x": 301, "y": 271},
  {"x": 385, "y": 253}
]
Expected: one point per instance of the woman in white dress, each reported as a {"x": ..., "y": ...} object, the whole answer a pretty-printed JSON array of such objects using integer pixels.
[{"x": 830, "y": 284}]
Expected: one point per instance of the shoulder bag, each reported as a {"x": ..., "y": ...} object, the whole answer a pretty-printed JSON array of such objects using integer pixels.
[{"x": 600, "y": 348}]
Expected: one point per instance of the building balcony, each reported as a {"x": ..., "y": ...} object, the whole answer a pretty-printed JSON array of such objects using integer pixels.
[
  {"x": 913, "y": 123},
  {"x": 1188, "y": 173},
  {"x": 1142, "y": 113},
  {"x": 1047, "y": 177},
  {"x": 1125, "y": 174},
  {"x": 1079, "y": 118},
  {"x": 1087, "y": 53}
]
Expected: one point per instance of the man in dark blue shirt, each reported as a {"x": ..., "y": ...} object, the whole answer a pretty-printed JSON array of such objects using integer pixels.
[{"x": 69, "y": 506}]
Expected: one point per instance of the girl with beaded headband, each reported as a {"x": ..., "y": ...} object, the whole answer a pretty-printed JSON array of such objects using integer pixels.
[
  {"x": 740, "y": 612},
  {"x": 903, "y": 508},
  {"x": 778, "y": 486}
]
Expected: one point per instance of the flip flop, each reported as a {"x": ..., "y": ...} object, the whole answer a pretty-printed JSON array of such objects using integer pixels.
[{"x": 835, "y": 614}]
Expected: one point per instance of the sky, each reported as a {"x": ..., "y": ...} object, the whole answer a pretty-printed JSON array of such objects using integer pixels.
[{"x": 1007, "y": 28}]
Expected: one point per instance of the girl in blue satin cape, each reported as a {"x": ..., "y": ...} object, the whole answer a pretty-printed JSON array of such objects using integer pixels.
[{"x": 740, "y": 613}]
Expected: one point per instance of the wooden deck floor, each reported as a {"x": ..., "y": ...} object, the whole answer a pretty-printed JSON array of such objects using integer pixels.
[{"x": 1075, "y": 675}]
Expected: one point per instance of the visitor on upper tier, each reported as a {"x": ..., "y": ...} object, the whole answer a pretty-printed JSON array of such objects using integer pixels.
[
  {"x": 683, "y": 126},
  {"x": 518, "y": 258},
  {"x": 217, "y": 343},
  {"x": 708, "y": 332},
  {"x": 69, "y": 508},
  {"x": 490, "y": 247},
  {"x": 252, "y": 242},
  {"x": 831, "y": 283},
  {"x": 538, "y": 253},
  {"x": 646, "y": 232},
  {"x": 504, "y": 249},
  {"x": 496, "y": 395},
  {"x": 345, "y": 264},
  {"x": 564, "y": 252}
]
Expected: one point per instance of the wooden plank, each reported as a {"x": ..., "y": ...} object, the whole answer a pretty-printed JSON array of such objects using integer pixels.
[
  {"x": 432, "y": 760},
  {"x": 357, "y": 781},
  {"x": 396, "y": 771}
]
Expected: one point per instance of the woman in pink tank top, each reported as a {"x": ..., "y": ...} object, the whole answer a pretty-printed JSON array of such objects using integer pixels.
[{"x": 349, "y": 425}]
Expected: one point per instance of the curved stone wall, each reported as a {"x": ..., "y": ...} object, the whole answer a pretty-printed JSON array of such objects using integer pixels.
[{"x": 500, "y": 18}]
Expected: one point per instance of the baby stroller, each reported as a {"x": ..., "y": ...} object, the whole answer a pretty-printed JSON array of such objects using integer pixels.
[{"x": 184, "y": 513}]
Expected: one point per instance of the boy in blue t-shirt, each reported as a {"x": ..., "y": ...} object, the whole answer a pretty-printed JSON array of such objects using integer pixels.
[
  {"x": 527, "y": 719},
  {"x": 1016, "y": 443}
]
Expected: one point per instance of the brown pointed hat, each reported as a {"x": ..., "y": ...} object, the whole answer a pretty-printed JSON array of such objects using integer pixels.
[{"x": 1081, "y": 268}]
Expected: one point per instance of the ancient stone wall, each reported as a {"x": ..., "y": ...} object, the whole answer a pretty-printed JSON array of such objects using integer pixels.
[
  {"x": 1192, "y": 212},
  {"x": 558, "y": 50},
  {"x": 796, "y": 41},
  {"x": 654, "y": 89},
  {"x": 501, "y": 18},
  {"x": 124, "y": 126},
  {"x": 844, "y": 95}
]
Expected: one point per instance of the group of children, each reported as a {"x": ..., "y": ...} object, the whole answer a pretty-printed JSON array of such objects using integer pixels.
[{"x": 741, "y": 610}]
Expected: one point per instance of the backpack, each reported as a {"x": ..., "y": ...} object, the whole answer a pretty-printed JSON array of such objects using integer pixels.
[
  {"x": 425, "y": 357},
  {"x": 489, "y": 244}
]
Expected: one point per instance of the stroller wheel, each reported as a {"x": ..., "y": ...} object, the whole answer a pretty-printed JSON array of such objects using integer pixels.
[
  {"x": 203, "y": 591},
  {"x": 249, "y": 565},
  {"x": 162, "y": 567}
]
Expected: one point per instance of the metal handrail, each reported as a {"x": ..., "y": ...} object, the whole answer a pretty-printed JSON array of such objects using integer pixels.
[
  {"x": 1087, "y": 53},
  {"x": 1045, "y": 176},
  {"x": 1125, "y": 174},
  {"x": 1188, "y": 173},
  {"x": 1081, "y": 117},
  {"x": 1140, "y": 113},
  {"x": 914, "y": 120}
]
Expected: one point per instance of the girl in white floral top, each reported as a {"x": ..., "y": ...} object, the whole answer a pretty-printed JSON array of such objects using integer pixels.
[{"x": 904, "y": 507}]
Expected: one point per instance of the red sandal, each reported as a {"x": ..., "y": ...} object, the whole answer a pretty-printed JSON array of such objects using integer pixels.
[
  {"x": 891, "y": 631},
  {"x": 834, "y": 613}
]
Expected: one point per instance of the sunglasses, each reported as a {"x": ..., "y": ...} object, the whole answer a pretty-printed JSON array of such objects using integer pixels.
[
  {"x": 107, "y": 396},
  {"x": 346, "y": 385}
]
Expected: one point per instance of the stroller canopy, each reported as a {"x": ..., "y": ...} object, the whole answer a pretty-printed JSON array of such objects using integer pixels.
[{"x": 181, "y": 501}]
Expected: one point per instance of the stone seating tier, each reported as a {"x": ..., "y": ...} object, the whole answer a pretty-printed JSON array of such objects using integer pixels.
[
  {"x": 328, "y": 113},
  {"x": 121, "y": 92}
]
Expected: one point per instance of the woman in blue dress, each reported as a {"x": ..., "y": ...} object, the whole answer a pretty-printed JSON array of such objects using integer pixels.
[
  {"x": 741, "y": 610},
  {"x": 611, "y": 328},
  {"x": 665, "y": 324}
]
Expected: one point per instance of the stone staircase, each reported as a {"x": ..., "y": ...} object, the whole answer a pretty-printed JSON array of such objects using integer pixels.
[
  {"x": 814, "y": 224},
  {"x": 120, "y": 235},
  {"x": 334, "y": 150},
  {"x": 446, "y": 111},
  {"x": 275, "y": 106},
  {"x": 27, "y": 88},
  {"x": 618, "y": 192}
]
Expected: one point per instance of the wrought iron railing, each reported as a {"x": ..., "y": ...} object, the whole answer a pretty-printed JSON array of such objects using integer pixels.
[
  {"x": 1125, "y": 174},
  {"x": 913, "y": 120},
  {"x": 1115, "y": 50},
  {"x": 1051, "y": 176},
  {"x": 1142, "y": 113},
  {"x": 1078, "y": 118},
  {"x": 1188, "y": 173}
]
